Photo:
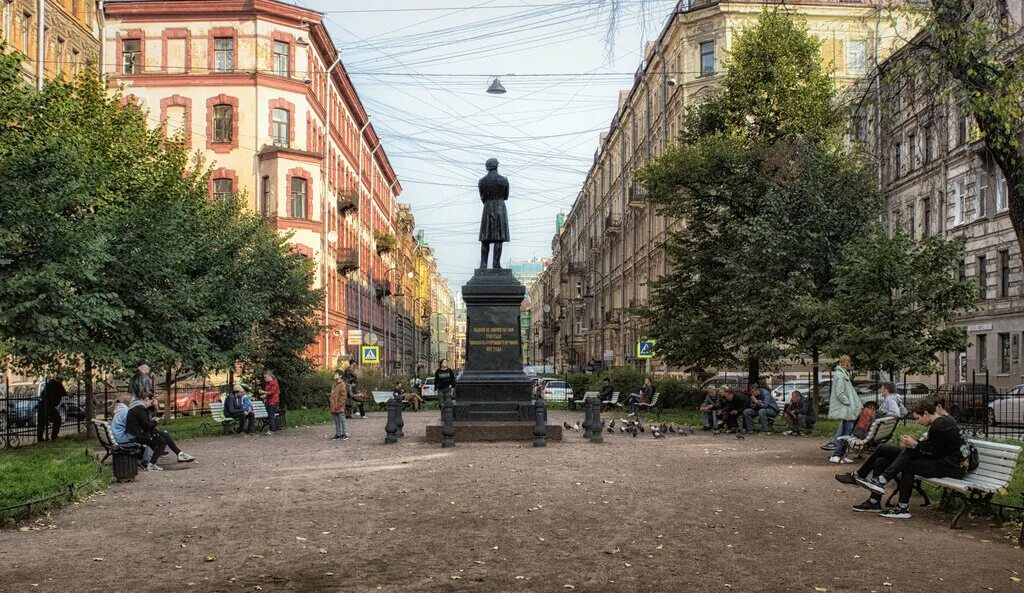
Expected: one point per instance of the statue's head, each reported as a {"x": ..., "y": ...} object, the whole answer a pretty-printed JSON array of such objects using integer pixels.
[{"x": 491, "y": 164}]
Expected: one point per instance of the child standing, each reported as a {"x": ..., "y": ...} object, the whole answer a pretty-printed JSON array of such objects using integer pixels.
[{"x": 337, "y": 403}]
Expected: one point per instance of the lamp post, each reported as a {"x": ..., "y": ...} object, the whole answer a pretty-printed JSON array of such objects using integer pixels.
[{"x": 394, "y": 323}]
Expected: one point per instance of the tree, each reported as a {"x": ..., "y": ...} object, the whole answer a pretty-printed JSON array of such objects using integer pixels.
[
  {"x": 768, "y": 198},
  {"x": 976, "y": 45},
  {"x": 896, "y": 301}
]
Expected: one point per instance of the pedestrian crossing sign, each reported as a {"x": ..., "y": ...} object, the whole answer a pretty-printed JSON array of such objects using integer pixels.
[
  {"x": 370, "y": 354},
  {"x": 645, "y": 349}
]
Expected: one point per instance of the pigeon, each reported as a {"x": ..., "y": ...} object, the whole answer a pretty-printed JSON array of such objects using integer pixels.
[
  {"x": 576, "y": 426},
  {"x": 691, "y": 429},
  {"x": 566, "y": 426},
  {"x": 611, "y": 424},
  {"x": 640, "y": 426},
  {"x": 672, "y": 429},
  {"x": 610, "y": 430},
  {"x": 622, "y": 428},
  {"x": 740, "y": 436},
  {"x": 602, "y": 424},
  {"x": 664, "y": 427},
  {"x": 657, "y": 434}
]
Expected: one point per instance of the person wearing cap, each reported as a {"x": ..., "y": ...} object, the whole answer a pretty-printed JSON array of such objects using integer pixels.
[
  {"x": 234, "y": 408},
  {"x": 141, "y": 383}
]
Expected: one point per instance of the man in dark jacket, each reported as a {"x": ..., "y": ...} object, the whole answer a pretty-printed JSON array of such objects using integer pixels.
[
  {"x": 142, "y": 429},
  {"x": 48, "y": 411},
  {"x": 141, "y": 384},
  {"x": 444, "y": 381},
  {"x": 606, "y": 392},
  {"x": 799, "y": 413},
  {"x": 233, "y": 408},
  {"x": 732, "y": 407}
]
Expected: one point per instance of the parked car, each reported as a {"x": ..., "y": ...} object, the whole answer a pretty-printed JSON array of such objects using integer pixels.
[
  {"x": 192, "y": 398},
  {"x": 556, "y": 390},
  {"x": 429, "y": 391},
  {"x": 969, "y": 401},
  {"x": 1009, "y": 410},
  {"x": 23, "y": 404},
  {"x": 913, "y": 392},
  {"x": 736, "y": 381},
  {"x": 825, "y": 393}
]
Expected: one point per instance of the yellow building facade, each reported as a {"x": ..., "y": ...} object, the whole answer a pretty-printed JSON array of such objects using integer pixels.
[{"x": 70, "y": 33}]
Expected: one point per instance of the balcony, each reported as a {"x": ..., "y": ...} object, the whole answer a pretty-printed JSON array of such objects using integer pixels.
[
  {"x": 637, "y": 197},
  {"x": 348, "y": 261},
  {"x": 346, "y": 203},
  {"x": 578, "y": 267},
  {"x": 613, "y": 224}
]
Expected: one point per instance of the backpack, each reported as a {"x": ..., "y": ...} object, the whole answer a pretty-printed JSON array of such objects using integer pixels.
[
  {"x": 864, "y": 420},
  {"x": 971, "y": 457}
]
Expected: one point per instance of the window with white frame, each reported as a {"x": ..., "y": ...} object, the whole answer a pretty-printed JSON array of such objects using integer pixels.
[
  {"x": 856, "y": 56},
  {"x": 958, "y": 201},
  {"x": 298, "y": 194},
  {"x": 282, "y": 58},
  {"x": 281, "y": 127},
  {"x": 222, "y": 188},
  {"x": 1001, "y": 189},
  {"x": 224, "y": 54}
]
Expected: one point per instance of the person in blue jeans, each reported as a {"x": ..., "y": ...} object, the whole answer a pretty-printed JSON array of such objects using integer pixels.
[
  {"x": 762, "y": 406},
  {"x": 844, "y": 406}
]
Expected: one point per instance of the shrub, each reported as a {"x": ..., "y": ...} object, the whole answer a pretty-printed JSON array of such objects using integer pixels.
[
  {"x": 579, "y": 383},
  {"x": 675, "y": 393},
  {"x": 309, "y": 390},
  {"x": 625, "y": 380}
]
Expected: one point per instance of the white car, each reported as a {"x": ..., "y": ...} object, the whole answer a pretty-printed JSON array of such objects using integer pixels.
[
  {"x": 557, "y": 391},
  {"x": 1008, "y": 411},
  {"x": 429, "y": 391}
]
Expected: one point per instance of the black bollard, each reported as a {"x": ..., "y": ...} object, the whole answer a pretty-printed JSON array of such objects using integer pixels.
[
  {"x": 448, "y": 424},
  {"x": 392, "y": 426},
  {"x": 540, "y": 431},
  {"x": 399, "y": 422},
  {"x": 595, "y": 423},
  {"x": 588, "y": 404}
]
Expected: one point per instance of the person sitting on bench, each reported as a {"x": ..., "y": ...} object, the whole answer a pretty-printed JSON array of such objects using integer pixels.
[
  {"x": 235, "y": 409},
  {"x": 891, "y": 405},
  {"x": 412, "y": 397},
  {"x": 799, "y": 414},
  {"x": 167, "y": 439},
  {"x": 117, "y": 427},
  {"x": 605, "y": 395},
  {"x": 140, "y": 426},
  {"x": 762, "y": 406},
  {"x": 645, "y": 396},
  {"x": 940, "y": 453},
  {"x": 711, "y": 409},
  {"x": 732, "y": 407}
]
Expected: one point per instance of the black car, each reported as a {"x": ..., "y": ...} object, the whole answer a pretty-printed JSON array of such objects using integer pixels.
[{"x": 967, "y": 402}]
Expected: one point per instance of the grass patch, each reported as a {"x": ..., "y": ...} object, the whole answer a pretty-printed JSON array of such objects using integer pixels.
[{"x": 44, "y": 470}]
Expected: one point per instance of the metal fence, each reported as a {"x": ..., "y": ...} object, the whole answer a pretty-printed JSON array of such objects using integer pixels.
[
  {"x": 20, "y": 408},
  {"x": 981, "y": 409}
]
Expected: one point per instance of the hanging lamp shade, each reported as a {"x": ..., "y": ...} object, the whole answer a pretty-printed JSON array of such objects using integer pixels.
[{"x": 496, "y": 88}]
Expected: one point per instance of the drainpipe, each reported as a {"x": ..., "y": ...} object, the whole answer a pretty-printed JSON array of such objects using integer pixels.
[
  {"x": 359, "y": 209},
  {"x": 41, "y": 43},
  {"x": 324, "y": 216},
  {"x": 101, "y": 19}
]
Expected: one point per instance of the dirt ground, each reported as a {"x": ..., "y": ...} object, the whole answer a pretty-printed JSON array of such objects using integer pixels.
[{"x": 296, "y": 512}]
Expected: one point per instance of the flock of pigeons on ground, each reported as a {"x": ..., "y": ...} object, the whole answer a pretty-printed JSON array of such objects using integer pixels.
[{"x": 634, "y": 427}]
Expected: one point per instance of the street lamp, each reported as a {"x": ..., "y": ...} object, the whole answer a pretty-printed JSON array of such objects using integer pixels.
[
  {"x": 496, "y": 87},
  {"x": 394, "y": 323}
]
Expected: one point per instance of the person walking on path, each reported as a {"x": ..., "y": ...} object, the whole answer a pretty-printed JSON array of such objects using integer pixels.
[
  {"x": 844, "y": 406},
  {"x": 354, "y": 397},
  {"x": 338, "y": 402},
  {"x": 48, "y": 410},
  {"x": 272, "y": 399},
  {"x": 444, "y": 381}
]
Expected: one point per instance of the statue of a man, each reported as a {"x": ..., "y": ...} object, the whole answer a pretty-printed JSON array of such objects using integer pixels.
[{"x": 494, "y": 222}]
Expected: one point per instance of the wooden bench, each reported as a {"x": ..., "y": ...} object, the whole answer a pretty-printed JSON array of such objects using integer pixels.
[
  {"x": 880, "y": 431},
  {"x": 996, "y": 464},
  {"x": 651, "y": 405}
]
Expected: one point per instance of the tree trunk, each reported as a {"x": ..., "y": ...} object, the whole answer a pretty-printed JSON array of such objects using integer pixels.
[
  {"x": 90, "y": 407},
  {"x": 167, "y": 394},
  {"x": 815, "y": 369},
  {"x": 753, "y": 371}
]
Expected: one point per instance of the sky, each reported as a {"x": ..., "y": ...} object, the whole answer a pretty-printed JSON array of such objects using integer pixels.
[{"x": 422, "y": 68}]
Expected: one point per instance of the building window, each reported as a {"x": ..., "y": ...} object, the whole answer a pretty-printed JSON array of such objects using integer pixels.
[
  {"x": 912, "y": 156},
  {"x": 222, "y": 188},
  {"x": 897, "y": 160},
  {"x": 5, "y": 16},
  {"x": 707, "y": 58},
  {"x": 224, "y": 54},
  {"x": 1001, "y": 189},
  {"x": 281, "y": 127},
  {"x": 859, "y": 125},
  {"x": 926, "y": 217},
  {"x": 265, "y": 196},
  {"x": 962, "y": 274},
  {"x": 982, "y": 277},
  {"x": 958, "y": 202},
  {"x": 131, "y": 50},
  {"x": 856, "y": 57},
  {"x": 1004, "y": 353},
  {"x": 222, "y": 116},
  {"x": 298, "y": 198},
  {"x": 26, "y": 34},
  {"x": 929, "y": 144},
  {"x": 911, "y": 223},
  {"x": 282, "y": 65},
  {"x": 982, "y": 352},
  {"x": 1004, "y": 273},
  {"x": 963, "y": 128}
]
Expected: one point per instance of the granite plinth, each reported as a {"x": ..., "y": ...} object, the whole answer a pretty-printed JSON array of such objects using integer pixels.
[
  {"x": 493, "y": 386},
  {"x": 482, "y": 431}
]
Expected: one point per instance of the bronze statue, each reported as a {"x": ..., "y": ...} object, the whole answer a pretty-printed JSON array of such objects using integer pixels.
[{"x": 494, "y": 222}]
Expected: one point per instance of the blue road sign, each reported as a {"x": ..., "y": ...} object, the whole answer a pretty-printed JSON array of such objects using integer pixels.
[
  {"x": 370, "y": 354},
  {"x": 645, "y": 348}
]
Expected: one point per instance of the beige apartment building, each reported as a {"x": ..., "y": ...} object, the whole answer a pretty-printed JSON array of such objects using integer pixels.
[
  {"x": 938, "y": 180},
  {"x": 611, "y": 245},
  {"x": 259, "y": 89},
  {"x": 70, "y": 30}
]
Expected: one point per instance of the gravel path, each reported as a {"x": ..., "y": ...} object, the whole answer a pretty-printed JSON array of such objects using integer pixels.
[{"x": 296, "y": 512}]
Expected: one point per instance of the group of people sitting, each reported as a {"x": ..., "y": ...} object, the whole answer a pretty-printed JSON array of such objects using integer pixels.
[
  {"x": 135, "y": 421},
  {"x": 725, "y": 407}
]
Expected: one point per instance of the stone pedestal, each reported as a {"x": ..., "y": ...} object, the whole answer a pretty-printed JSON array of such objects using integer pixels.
[
  {"x": 470, "y": 432},
  {"x": 493, "y": 386}
]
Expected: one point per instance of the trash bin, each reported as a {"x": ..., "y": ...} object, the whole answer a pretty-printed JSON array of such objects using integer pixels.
[
  {"x": 282, "y": 421},
  {"x": 126, "y": 465}
]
